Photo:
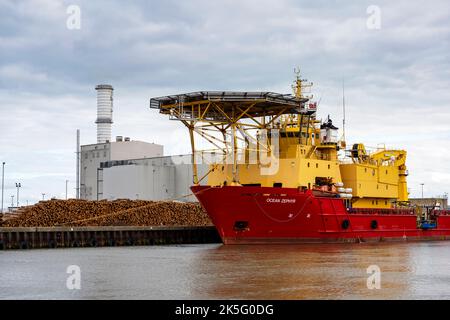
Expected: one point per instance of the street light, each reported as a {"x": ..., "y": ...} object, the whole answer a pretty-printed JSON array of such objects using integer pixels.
[
  {"x": 422, "y": 188},
  {"x": 67, "y": 181},
  {"x": 3, "y": 182},
  {"x": 18, "y": 185},
  {"x": 12, "y": 201},
  {"x": 43, "y": 196}
]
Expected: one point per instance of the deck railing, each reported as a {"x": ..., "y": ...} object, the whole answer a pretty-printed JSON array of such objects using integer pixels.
[{"x": 393, "y": 211}]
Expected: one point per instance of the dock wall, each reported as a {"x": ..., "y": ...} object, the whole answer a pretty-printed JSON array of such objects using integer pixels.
[{"x": 70, "y": 237}]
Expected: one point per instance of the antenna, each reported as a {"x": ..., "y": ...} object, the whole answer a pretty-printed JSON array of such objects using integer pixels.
[
  {"x": 343, "y": 110},
  {"x": 300, "y": 85}
]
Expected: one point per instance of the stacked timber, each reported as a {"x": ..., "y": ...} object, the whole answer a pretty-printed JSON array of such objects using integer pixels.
[{"x": 110, "y": 213}]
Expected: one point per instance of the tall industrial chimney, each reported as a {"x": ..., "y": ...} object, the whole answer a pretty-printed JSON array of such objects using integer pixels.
[
  {"x": 104, "y": 112},
  {"x": 78, "y": 166}
]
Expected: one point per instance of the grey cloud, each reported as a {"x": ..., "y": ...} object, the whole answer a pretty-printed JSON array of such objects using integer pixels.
[{"x": 397, "y": 78}]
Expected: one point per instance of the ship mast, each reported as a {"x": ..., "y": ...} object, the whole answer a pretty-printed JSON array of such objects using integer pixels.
[
  {"x": 299, "y": 87},
  {"x": 343, "y": 111}
]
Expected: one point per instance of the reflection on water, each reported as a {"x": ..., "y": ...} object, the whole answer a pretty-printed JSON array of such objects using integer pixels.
[{"x": 319, "y": 271}]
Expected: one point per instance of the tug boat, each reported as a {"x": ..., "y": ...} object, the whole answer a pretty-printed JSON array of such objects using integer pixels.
[{"x": 277, "y": 174}]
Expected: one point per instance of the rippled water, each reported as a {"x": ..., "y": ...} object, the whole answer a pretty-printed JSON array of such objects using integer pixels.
[{"x": 322, "y": 271}]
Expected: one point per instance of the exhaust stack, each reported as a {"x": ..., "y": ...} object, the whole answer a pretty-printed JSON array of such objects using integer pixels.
[{"x": 104, "y": 112}]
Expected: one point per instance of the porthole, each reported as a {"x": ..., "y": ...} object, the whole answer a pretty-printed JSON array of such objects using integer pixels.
[
  {"x": 374, "y": 224},
  {"x": 345, "y": 224}
]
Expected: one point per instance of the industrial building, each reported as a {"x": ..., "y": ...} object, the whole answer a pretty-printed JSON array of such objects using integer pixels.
[
  {"x": 127, "y": 169},
  {"x": 94, "y": 155},
  {"x": 157, "y": 178}
]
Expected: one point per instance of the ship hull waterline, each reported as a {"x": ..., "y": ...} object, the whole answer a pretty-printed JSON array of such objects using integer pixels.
[{"x": 262, "y": 215}]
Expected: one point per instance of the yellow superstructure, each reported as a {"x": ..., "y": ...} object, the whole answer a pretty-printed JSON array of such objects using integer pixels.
[
  {"x": 270, "y": 139},
  {"x": 378, "y": 179},
  {"x": 308, "y": 158}
]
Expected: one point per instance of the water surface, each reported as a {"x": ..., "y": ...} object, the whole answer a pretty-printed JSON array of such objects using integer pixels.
[{"x": 319, "y": 271}]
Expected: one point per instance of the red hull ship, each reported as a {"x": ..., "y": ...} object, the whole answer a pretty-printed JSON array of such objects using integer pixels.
[
  {"x": 277, "y": 174},
  {"x": 245, "y": 215}
]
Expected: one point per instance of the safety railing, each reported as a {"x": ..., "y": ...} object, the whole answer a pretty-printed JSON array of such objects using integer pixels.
[{"x": 375, "y": 211}]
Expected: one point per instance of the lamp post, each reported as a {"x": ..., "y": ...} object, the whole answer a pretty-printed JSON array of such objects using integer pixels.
[
  {"x": 43, "y": 196},
  {"x": 12, "y": 201},
  {"x": 422, "y": 188},
  {"x": 67, "y": 181},
  {"x": 3, "y": 182},
  {"x": 18, "y": 185}
]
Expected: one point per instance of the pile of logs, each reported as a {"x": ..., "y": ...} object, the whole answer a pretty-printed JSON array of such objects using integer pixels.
[{"x": 110, "y": 213}]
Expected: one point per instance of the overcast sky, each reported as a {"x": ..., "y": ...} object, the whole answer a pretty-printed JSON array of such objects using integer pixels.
[{"x": 396, "y": 70}]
